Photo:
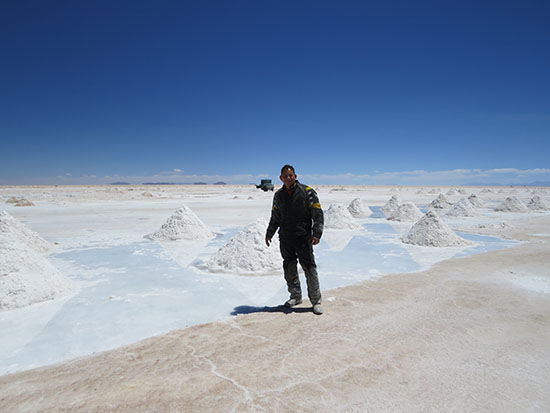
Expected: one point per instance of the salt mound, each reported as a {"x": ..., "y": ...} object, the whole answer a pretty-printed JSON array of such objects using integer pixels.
[
  {"x": 246, "y": 252},
  {"x": 13, "y": 200},
  {"x": 512, "y": 204},
  {"x": 462, "y": 208},
  {"x": 391, "y": 206},
  {"x": 406, "y": 212},
  {"x": 462, "y": 191},
  {"x": 338, "y": 217},
  {"x": 452, "y": 191},
  {"x": 432, "y": 231},
  {"x": 440, "y": 203},
  {"x": 434, "y": 191},
  {"x": 24, "y": 202},
  {"x": 357, "y": 209},
  {"x": 538, "y": 204},
  {"x": 26, "y": 275},
  {"x": 183, "y": 224},
  {"x": 475, "y": 201},
  {"x": 11, "y": 228}
]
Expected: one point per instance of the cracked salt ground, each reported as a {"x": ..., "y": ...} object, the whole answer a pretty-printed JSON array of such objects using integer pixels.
[{"x": 139, "y": 290}]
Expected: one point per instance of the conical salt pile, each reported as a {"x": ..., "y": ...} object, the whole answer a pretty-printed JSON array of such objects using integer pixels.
[
  {"x": 391, "y": 206},
  {"x": 462, "y": 208},
  {"x": 357, "y": 209},
  {"x": 538, "y": 204},
  {"x": 247, "y": 253},
  {"x": 432, "y": 231},
  {"x": 475, "y": 201},
  {"x": 11, "y": 228},
  {"x": 24, "y": 202},
  {"x": 511, "y": 204},
  {"x": 183, "y": 224},
  {"x": 338, "y": 217},
  {"x": 440, "y": 203},
  {"x": 452, "y": 191},
  {"x": 13, "y": 200},
  {"x": 26, "y": 275},
  {"x": 406, "y": 212}
]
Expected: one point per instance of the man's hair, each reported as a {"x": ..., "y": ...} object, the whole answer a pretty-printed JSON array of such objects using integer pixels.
[{"x": 284, "y": 168}]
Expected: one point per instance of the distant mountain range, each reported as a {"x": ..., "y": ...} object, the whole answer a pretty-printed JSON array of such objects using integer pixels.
[{"x": 169, "y": 183}]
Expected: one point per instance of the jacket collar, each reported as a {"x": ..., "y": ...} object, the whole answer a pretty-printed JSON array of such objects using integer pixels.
[{"x": 292, "y": 188}]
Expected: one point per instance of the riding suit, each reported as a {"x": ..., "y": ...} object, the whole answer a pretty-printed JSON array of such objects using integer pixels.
[{"x": 298, "y": 215}]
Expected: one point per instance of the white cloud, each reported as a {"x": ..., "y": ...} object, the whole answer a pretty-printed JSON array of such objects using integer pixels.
[{"x": 504, "y": 170}]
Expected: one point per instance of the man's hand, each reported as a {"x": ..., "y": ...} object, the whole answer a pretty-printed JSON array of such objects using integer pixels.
[
  {"x": 315, "y": 241},
  {"x": 267, "y": 240}
]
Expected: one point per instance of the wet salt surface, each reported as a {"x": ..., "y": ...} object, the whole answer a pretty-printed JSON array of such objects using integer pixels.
[{"x": 134, "y": 291}]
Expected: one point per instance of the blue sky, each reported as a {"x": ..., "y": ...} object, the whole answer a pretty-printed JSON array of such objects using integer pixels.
[{"x": 394, "y": 92}]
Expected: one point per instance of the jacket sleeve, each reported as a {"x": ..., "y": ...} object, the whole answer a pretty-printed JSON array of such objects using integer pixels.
[
  {"x": 275, "y": 220},
  {"x": 316, "y": 212}
]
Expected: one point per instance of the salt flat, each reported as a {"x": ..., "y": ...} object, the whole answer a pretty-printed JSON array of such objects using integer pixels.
[{"x": 405, "y": 329}]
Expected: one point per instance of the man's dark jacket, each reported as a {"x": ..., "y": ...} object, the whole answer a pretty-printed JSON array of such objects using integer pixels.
[{"x": 298, "y": 214}]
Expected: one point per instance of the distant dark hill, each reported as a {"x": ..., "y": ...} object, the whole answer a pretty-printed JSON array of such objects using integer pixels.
[
  {"x": 182, "y": 183},
  {"x": 161, "y": 183}
]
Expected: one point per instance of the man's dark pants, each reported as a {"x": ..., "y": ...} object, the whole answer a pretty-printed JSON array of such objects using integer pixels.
[{"x": 300, "y": 249}]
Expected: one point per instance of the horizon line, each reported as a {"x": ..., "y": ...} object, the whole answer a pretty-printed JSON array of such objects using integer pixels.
[{"x": 176, "y": 176}]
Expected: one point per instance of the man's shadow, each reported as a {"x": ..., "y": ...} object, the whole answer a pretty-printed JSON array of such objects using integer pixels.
[{"x": 248, "y": 309}]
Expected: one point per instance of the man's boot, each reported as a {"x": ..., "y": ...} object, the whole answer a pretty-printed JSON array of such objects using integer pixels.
[
  {"x": 291, "y": 302},
  {"x": 317, "y": 309}
]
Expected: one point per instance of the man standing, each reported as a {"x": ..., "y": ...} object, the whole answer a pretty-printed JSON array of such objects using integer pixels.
[{"x": 298, "y": 215}]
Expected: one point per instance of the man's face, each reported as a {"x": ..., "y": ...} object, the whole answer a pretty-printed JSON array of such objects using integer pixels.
[{"x": 288, "y": 177}]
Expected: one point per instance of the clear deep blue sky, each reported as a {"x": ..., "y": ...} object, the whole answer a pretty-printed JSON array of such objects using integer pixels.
[{"x": 137, "y": 90}]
